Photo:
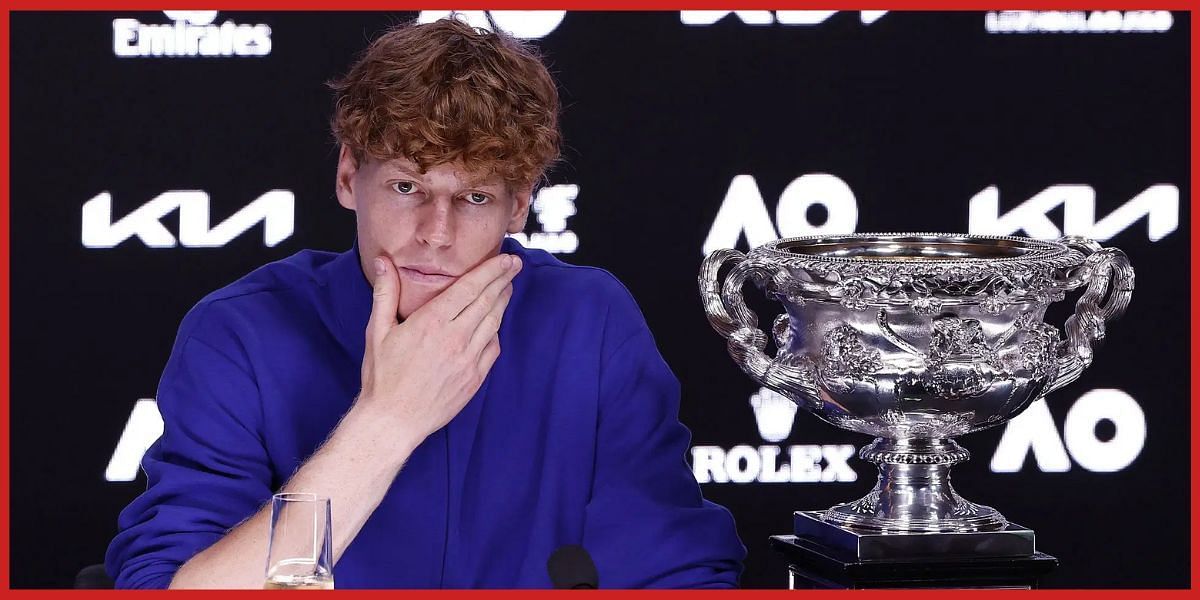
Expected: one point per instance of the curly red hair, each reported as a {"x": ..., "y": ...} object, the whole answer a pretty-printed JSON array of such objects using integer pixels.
[{"x": 443, "y": 92}]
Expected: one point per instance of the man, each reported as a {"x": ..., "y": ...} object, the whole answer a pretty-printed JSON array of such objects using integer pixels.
[{"x": 469, "y": 406}]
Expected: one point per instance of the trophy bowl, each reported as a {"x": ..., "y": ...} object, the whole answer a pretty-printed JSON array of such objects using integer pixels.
[{"x": 916, "y": 338}]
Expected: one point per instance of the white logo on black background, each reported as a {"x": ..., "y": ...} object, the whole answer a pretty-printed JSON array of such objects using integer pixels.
[
  {"x": 774, "y": 414},
  {"x": 276, "y": 210},
  {"x": 191, "y": 33},
  {"x": 1096, "y": 21},
  {"x": 743, "y": 211},
  {"x": 1034, "y": 431},
  {"x": 1158, "y": 203}
]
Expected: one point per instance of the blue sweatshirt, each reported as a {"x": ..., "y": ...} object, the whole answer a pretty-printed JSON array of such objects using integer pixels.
[{"x": 573, "y": 438}]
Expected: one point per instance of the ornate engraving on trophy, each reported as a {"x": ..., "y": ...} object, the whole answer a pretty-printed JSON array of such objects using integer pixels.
[
  {"x": 846, "y": 360},
  {"x": 1036, "y": 349},
  {"x": 961, "y": 365}
]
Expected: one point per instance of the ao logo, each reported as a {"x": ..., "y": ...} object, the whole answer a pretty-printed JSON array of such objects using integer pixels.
[
  {"x": 275, "y": 209},
  {"x": 524, "y": 24},
  {"x": 774, "y": 415},
  {"x": 744, "y": 212},
  {"x": 766, "y": 17},
  {"x": 1034, "y": 431}
]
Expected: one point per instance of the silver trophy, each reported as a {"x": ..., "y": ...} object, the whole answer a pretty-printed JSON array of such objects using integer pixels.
[{"x": 916, "y": 338}]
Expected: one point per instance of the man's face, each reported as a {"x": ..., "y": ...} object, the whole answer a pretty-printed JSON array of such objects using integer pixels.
[{"x": 434, "y": 227}]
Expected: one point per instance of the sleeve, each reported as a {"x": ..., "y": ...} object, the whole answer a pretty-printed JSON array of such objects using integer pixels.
[
  {"x": 647, "y": 524},
  {"x": 205, "y": 474}
]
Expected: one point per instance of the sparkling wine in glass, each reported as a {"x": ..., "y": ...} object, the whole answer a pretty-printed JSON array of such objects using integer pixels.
[{"x": 300, "y": 555}]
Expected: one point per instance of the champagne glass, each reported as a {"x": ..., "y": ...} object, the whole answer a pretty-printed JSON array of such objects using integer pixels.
[{"x": 300, "y": 554}]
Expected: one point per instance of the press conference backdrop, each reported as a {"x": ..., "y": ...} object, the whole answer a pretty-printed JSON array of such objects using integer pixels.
[{"x": 158, "y": 156}]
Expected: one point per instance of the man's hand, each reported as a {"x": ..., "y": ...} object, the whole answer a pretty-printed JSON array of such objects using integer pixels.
[{"x": 420, "y": 373}]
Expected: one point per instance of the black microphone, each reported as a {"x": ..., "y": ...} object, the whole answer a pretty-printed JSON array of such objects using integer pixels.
[{"x": 571, "y": 568}]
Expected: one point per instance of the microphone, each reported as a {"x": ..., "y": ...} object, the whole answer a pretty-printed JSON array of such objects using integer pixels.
[{"x": 571, "y": 568}]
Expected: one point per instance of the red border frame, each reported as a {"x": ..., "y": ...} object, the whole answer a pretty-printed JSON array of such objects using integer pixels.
[{"x": 356, "y": 5}]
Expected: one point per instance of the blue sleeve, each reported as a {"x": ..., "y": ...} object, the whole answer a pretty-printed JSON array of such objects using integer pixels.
[
  {"x": 207, "y": 473},
  {"x": 647, "y": 524}
]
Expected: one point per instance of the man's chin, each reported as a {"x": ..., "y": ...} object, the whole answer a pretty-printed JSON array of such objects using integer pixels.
[{"x": 411, "y": 300}]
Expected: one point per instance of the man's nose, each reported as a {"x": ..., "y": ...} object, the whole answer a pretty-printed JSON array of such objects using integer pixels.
[{"x": 436, "y": 227}]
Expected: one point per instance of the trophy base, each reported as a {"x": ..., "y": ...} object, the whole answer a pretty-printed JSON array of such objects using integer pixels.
[
  {"x": 1011, "y": 541},
  {"x": 812, "y": 565}
]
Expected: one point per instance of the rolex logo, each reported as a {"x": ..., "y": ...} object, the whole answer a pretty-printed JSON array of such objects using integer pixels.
[{"x": 774, "y": 413}]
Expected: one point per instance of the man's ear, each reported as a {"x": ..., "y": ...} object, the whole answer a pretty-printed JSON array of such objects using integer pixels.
[
  {"x": 521, "y": 197},
  {"x": 346, "y": 168}
]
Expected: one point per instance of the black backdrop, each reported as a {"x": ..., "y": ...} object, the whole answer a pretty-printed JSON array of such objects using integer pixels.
[{"x": 915, "y": 113}]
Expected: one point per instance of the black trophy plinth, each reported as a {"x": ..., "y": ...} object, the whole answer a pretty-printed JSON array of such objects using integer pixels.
[{"x": 821, "y": 555}]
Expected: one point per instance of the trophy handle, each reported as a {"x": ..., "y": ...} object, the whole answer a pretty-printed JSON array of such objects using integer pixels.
[
  {"x": 729, "y": 316},
  {"x": 1108, "y": 274}
]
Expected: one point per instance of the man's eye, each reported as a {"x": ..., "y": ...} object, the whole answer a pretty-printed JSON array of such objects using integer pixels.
[
  {"x": 477, "y": 198},
  {"x": 404, "y": 187}
]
